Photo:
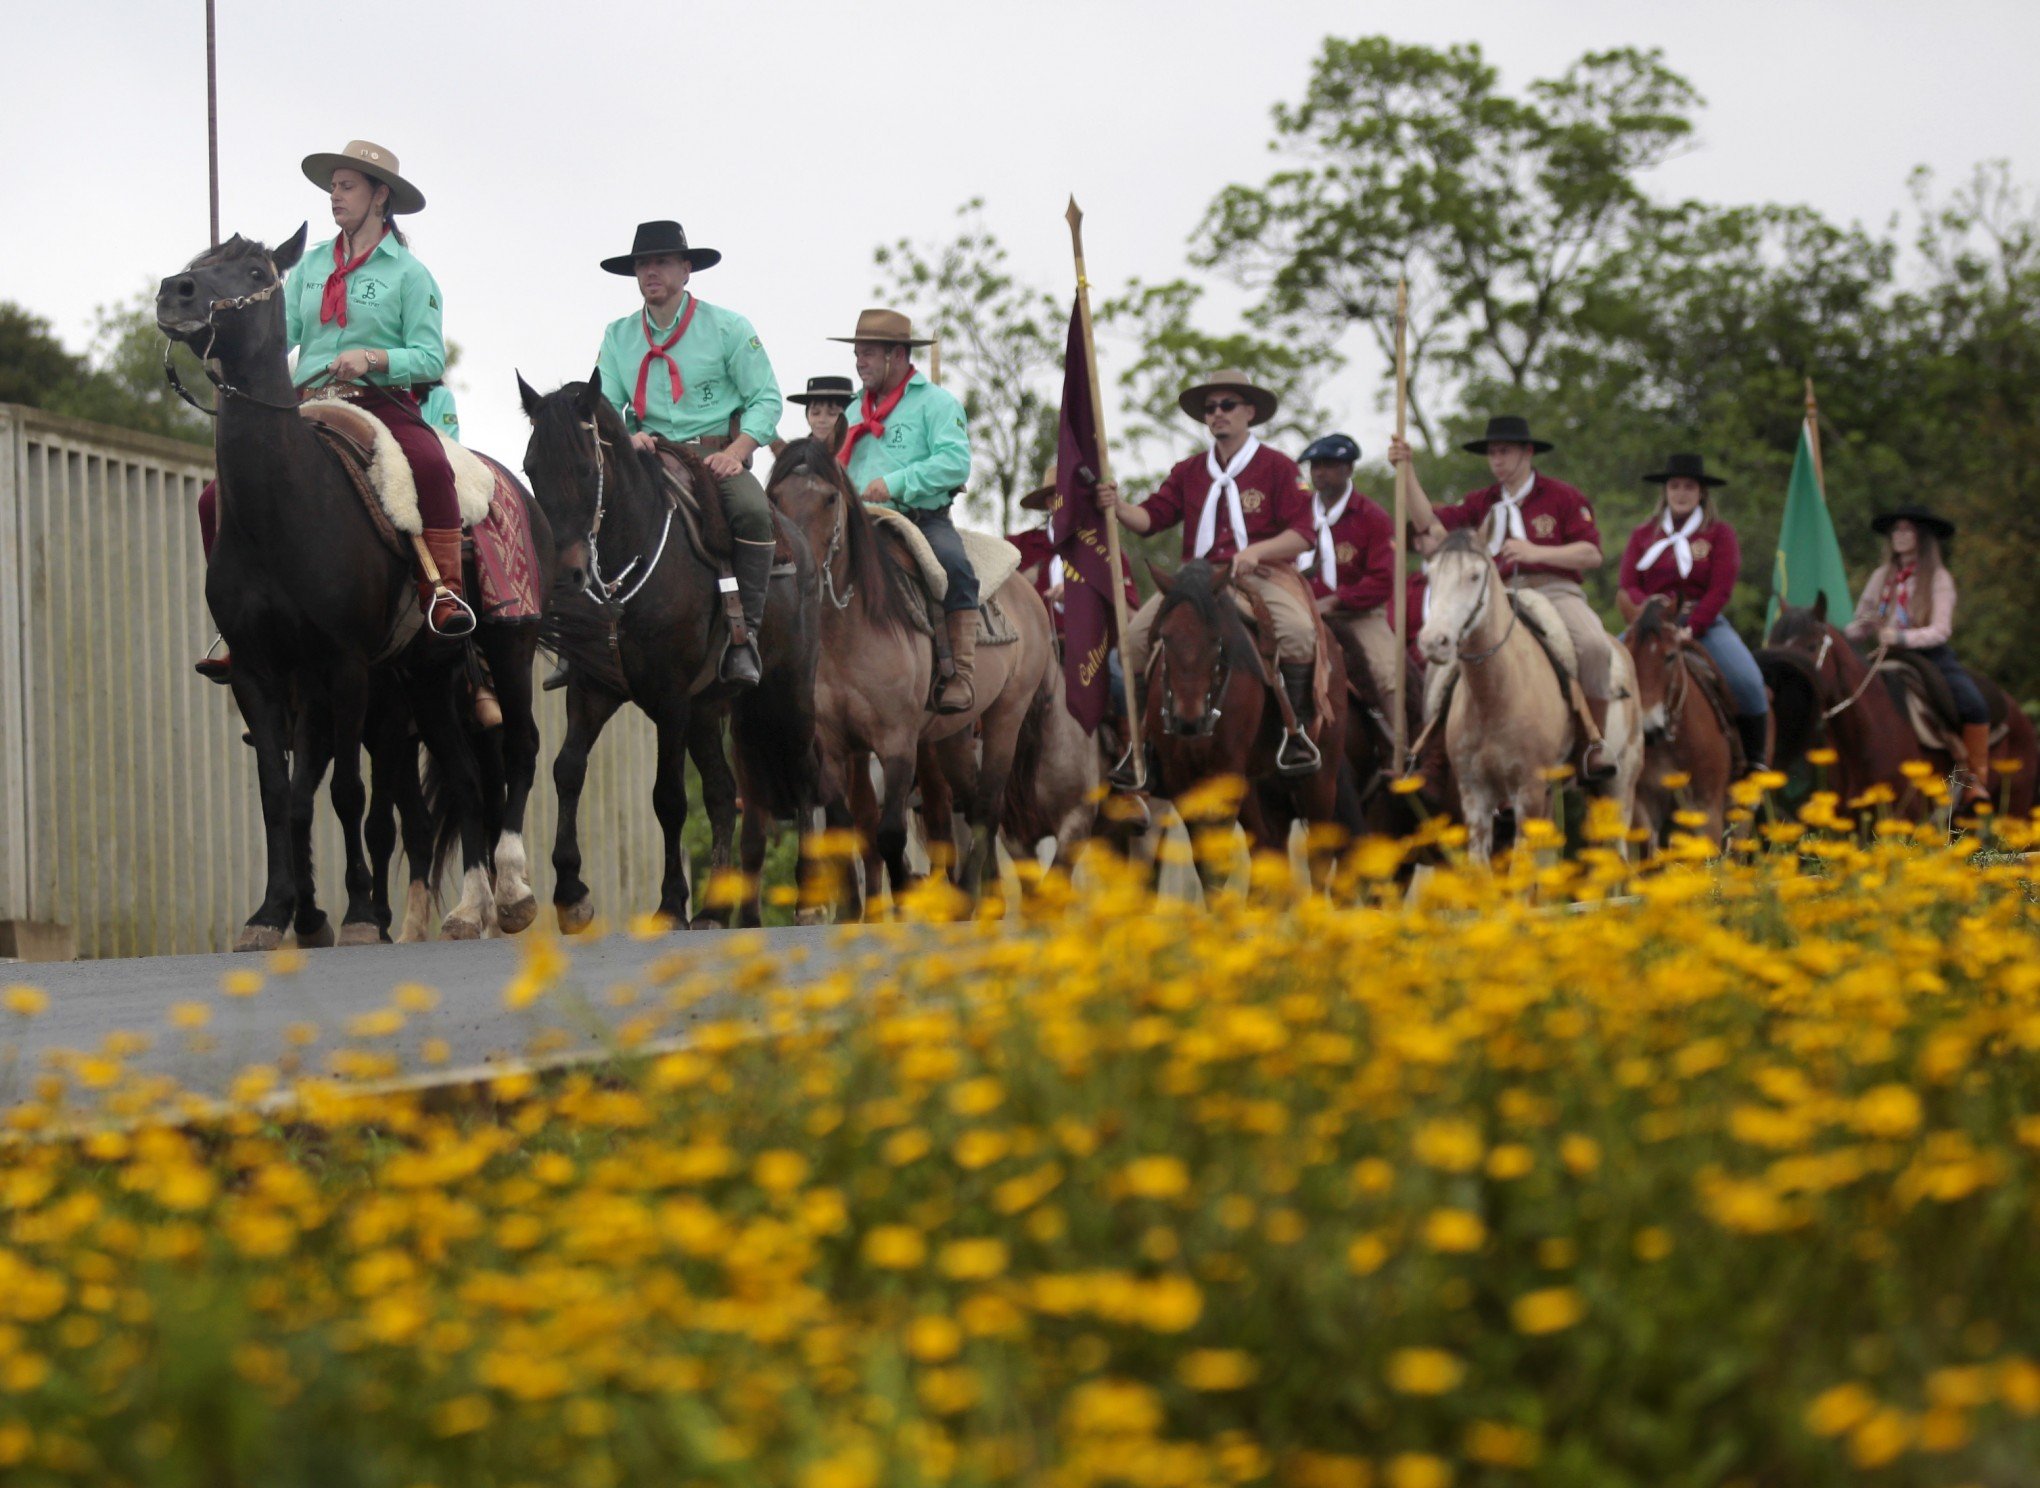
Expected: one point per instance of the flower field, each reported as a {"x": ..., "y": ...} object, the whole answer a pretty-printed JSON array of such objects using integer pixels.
[{"x": 1731, "y": 1180}]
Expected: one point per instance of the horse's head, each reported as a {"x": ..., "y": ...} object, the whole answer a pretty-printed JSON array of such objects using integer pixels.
[
  {"x": 809, "y": 486},
  {"x": 1805, "y": 629},
  {"x": 1199, "y": 638},
  {"x": 1461, "y": 578},
  {"x": 227, "y": 303},
  {"x": 578, "y": 451},
  {"x": 1653, "y": 639}
]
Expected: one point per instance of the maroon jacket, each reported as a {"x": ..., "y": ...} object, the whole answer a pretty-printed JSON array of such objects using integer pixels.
[
  {"x": 1363, "y": 543},
  {"x": 1717, "y": 559},
  {"x": 1554, "y": 514},
  {"x": 1273, "y": 498}
]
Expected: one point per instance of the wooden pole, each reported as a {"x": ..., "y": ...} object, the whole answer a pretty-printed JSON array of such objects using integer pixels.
[
  {"x": 212, "y": 121},
  {"x": 1075, "y": 217},
  {"x": 935, "y": 361},
  {"x": 1813, "y": 435},
  {"x": 1399, "y": 597}
]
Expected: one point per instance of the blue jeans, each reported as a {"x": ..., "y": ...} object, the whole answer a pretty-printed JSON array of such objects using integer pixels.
[
  {"x": 1737, "y": 667},
  {"x": 1969, "y": 704},
  {"x": 948, "y": 545}
]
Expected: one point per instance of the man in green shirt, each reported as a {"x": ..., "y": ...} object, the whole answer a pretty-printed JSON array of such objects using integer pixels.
[
  {"x": 908, "y": 447},
  {"x": 695, "y": 374}
]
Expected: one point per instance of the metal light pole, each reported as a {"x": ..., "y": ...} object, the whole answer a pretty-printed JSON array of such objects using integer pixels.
[{"x": 212, "y": 121}]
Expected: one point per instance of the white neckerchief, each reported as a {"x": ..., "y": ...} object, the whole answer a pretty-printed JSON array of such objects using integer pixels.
[
  {"x": 1225, "y": 483},
  {"x": 1505, "y": 517},
  {"x": 1328, "y": 564},
  {"x": 1678, "y": 539},
  {"x": 1055, "y": 575}
]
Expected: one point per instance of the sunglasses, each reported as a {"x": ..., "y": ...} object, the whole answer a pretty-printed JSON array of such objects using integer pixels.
[{"x": 1223, "y": 405}]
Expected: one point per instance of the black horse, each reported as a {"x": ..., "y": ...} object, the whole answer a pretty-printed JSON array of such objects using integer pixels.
[
  {"x": 306, "y": 596},
  {"x": 639, "y": 618}
]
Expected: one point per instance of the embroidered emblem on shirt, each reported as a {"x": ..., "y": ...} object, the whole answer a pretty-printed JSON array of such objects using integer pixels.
[
  {"x": 1702, "y": 547},
  {"x": 432, "y": 301},
  {"x": 1253, "y": 501},
  {"x": 707, "y": 390},
  {"x": 755, "y": 346},
  {"x": 1544, "y": 526},
  {"x": 366, "y": 290},
  {"x": 1345, "y": 552}
]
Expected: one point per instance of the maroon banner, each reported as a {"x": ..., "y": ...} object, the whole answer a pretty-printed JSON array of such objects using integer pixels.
[{"x": 1077, "y": 529}]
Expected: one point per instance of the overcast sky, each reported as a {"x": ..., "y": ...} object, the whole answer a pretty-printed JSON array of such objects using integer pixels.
[{"x": 794, "y": 136}]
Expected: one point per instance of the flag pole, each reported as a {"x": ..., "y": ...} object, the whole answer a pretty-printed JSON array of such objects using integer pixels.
[
  {"x": 212, "y": 121},
  {"x": 1399, "y": 598},
  {"x": 935, "y": 361},
  {"x": 1075, "y": 217},
  {"x": 1813, "y": 435}
]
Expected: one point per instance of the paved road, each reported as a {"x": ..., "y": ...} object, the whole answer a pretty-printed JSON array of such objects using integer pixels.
[{"x": 89, "y": 1000}]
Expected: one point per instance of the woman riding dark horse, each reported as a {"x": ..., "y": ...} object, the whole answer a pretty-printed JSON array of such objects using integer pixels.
[{"x": 648, "y": 627}]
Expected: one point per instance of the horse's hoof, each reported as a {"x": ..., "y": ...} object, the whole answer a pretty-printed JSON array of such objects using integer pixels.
[
  {"x": 812, "y": 915},
  {"x": 258, "y": 938},
  {"x": 516, "y": 918},
  {"x": 457, "y": 927},
  {"x": 318, "y": 939},
  {"x": 361, "y": 933},
  {"x": 707, "y": 922},
  {"x": 575, "y": 917}
]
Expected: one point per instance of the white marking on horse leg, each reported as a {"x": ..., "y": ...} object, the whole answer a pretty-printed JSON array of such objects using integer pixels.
[
  {"x": 417, "y": 914},
  {"x": 516, "y": 906},
  {"x": 465, "y": 923}
]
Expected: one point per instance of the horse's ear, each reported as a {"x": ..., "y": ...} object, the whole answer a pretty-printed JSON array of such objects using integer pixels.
[
  {"x": 529, "y": 396},
  {"x": 291, "y": 249},
  {"x": 590, "y": 394},
  {"x": 1820, "y": 606},
  {"x": 1163, "y": 581}
]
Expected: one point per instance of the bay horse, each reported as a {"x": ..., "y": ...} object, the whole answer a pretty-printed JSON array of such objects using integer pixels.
[
  {"x": 305, "y": 594},
  {"x": 1868, "y": 727},
  {"x": 1683, "y": 734},
  {"x": 652, "y": 634},
  {"x": 1509, "y": 720},
  {"x": 877, "y": 672},
  {"x": 1207, "y": 711}
]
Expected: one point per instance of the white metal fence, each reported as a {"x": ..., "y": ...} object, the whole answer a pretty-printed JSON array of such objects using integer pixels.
[{"x": 128, "y": 808}]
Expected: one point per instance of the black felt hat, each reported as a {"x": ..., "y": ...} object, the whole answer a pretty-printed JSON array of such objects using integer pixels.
[
  {"x": 827, "y": 390},
  {"x": 654, "y": 238},
  {"x": 1919, "y": 516},
  {"x": 1684, "y": 467},
  {"x": 1507, "y": 428}
]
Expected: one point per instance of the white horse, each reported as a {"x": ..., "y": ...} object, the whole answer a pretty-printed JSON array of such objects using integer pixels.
[{"x": 1510, "y": 721}]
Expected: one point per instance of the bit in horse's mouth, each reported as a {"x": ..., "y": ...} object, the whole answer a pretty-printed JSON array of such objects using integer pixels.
[{"x": 179, "y": 328}]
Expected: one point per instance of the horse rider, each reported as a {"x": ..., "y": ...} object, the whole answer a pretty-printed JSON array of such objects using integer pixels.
[
  {"x": 824, "y": 403},
  {"x": 683, "y": 370},
  {"x": 1244, "y": 506},
  {"x": 364, "y": 316},
  {"x": 1909, "y": 605},
  {"x": 909, "y": 449},
  {"x": 1351, "y": 562},
  {"x": 1688, "y": 553},
  {"x": 1541, "y": 534}
]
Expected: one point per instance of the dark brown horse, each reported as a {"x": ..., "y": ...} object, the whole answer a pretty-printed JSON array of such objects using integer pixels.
[
  {"x": 1208, "y": 712},
  {"x": 1856, "y": 712},
  {"x": 641, "y": 623},
  {"x": 306, "y": 594},
  {"x": 877, "y": 668},
  {"x": 1683, "y": 733}
]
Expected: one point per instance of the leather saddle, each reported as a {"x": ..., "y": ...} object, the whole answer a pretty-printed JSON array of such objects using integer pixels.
[{"x": 1928, "y": 702}]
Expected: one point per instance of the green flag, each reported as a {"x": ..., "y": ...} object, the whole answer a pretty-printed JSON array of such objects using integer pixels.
[{"x": 1809, "y": 559}]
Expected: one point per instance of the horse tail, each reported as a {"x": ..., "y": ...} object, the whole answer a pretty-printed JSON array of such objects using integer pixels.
[
  {"x": 443, "y": 820},
  {"x": 1023, "y": 817},
  {"x": 491, "y": 776},
  {"x": 777, "y": 752}
]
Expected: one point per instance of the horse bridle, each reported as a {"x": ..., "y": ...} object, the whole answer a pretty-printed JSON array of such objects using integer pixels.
[
  {"x": 1214, "y": 696},
  {"x": 603, "y": 591},
  {"x": 1466, "y": 628},
  {"x": 205, "y": 357},
  {"x": 840, "y": 598},
  {"x": 1820, "y": 656}
]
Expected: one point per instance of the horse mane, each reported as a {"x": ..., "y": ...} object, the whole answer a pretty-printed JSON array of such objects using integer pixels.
[
  {"x": 231, "y": 251},
  {"x": 1461, "y": 540},
  {"x": 1649, "y": 624},
  {"x": 1794, "y": 623},
  {"x": 870, "y": 568},
  {"x": 1196, "y": 586}
]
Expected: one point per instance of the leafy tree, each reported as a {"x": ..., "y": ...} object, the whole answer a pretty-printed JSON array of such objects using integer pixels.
[
  {"x": 34, "y": 366},
  {"x": 121, "y": 383},
  {"x": 1001, "y": 342}
]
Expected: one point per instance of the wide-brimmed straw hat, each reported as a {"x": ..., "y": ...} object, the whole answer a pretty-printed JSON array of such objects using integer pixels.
[
  {"x": 1684, "y": 467},
  {"x": 371, "y": 160},
  {"x": 1919, "y": 516},
  {"x": 655, "y": 238},
  {"x": 1228, "y": 380},
  {"x": 825, "y": 390},
  {"x": 1507, "y": 428},
  {"x": 888, "y": 326}
]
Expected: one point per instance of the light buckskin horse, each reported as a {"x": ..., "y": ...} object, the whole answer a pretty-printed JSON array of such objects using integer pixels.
[
  {"x": 305, "y": 592},
  {"x": 1208, "y": 713},
  {"x": 1868, "y": 727},
  {"x": 873, "y": 689},
  {"x": 1682, "y": 732},
  {"x": 662, "y": 609},
  {"x": 1509, "y": 720}
]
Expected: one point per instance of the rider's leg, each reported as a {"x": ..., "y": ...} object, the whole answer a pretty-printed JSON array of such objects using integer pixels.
[
  {"x": 750, "y": 519},
  {"x": 1367, "y": 638},
  {"x": 438, "y": 507},
  {"x": 1595, "y": 659},
  {"x": 1745, "y": 687},
  {"x": 1296, "y": 655},
  {"x": 959, "y": 608},
  {"x": 1974, "y": 713},
  {"x": 221, "y": 667}
]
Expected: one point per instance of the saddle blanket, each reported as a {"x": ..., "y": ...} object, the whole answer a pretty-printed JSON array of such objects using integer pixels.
[
  {"x": 492, "y": 510},
  {"x": 1928, "y": 726}
]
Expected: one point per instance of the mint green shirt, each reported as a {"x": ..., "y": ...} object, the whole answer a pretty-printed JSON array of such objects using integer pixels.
[
  {"x": 392, "y": 306},
  {"x": 723, "y": 370},
  {"x": 924, "y": 455}
]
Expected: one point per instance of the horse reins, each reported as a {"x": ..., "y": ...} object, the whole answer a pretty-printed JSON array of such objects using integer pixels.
[
  {"x": 603, "y": 591},
  {"x": 839, "y": 598},
  {"x": 205, "y": 357},
  {"x": 1827, "y": 642},
  {"x": 1480, "y": 613}
]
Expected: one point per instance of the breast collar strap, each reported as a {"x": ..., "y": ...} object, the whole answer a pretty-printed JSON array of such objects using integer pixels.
[{"x": 604, "y": 591}]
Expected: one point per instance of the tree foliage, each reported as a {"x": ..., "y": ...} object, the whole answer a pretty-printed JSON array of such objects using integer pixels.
[{"x": 120, "y": 381}]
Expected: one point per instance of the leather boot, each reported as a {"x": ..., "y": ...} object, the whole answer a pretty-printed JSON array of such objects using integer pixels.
[
  {"x": 1752, "y": 729},
  {"x": 1976, "y": 744},
  {"x": 445, "y": 611},
  {"x": 959, "y": 691},
  {"x": 1596, "y": 760},
  {"x": 752, "y": 564},
  {"x": 1297, "y": 754},
  {"x": 556, "y": 678}
]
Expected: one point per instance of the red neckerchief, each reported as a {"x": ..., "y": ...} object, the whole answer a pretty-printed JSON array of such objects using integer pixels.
[
  {"x": 333, "y": 302},
  {"x": 1898, "y": 587},
  {"x": 658, "y": 354},
  {"x": 875, "y": 415}
]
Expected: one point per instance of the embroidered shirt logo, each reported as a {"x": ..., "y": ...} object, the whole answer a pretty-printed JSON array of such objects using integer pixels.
[
  {"x": 1544, "y": 525},
  {"x": 1252, "y": 500},
  {"x": 1702, "y": 547},
  {"x": 1345, "y": 552}
]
